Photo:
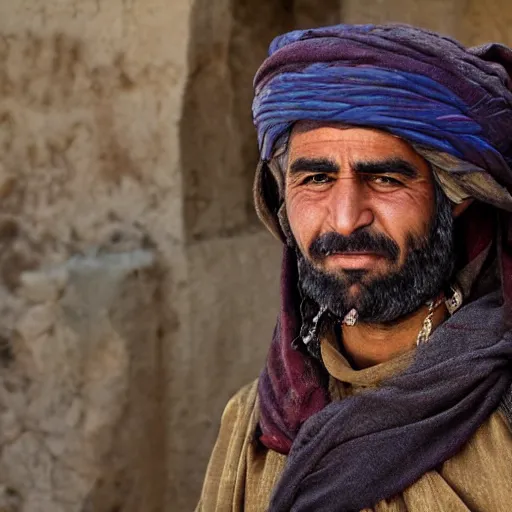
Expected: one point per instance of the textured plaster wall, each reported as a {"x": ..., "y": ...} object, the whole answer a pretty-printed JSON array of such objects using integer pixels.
[
  {"x": 229, "y": 40},
  {"x": 486, "y": 21},
  {"x": 137, "y": 290},
  {"x": 91, "y": 254},
  {"x": 439, "y": 15},
  {"x": 233, "y": 305},
  {"x": 471, "y": 21}
]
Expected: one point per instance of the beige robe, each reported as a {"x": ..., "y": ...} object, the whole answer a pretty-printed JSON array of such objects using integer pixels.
[{"x": 241, "y": 474}]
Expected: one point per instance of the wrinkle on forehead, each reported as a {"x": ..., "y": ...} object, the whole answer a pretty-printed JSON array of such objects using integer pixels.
[{"x": 331, "y": 141}]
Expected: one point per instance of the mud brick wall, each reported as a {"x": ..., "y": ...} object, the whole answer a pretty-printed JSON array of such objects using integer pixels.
[{"x": 137, "y": 289}]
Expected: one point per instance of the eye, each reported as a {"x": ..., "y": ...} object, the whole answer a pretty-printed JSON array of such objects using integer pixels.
[
  {"x": 317, "y": 179},
  {"x": 383, "y": 180}
]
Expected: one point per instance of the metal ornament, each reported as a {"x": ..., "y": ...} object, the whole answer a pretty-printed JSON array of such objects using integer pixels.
[
  {"x": 351, "y": 317},
  {"x": 452, "y": 305},
  {"x": 312, "y": 332},
  {"x": 455, "y": 301},
  {"x": 426, "y": 328}
]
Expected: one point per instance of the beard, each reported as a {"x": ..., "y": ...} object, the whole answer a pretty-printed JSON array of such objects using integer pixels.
[{"x": 425, "y": 272}]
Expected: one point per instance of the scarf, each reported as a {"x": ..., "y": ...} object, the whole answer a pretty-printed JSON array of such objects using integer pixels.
[{"x": 371, "y": 446}]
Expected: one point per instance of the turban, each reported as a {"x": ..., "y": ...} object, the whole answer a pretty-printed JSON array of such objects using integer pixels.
[
  {"x": 413, "y": 83},
  {"x": 451, "y": 103}
]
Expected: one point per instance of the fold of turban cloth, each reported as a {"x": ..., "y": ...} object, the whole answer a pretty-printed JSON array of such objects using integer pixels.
[{"x": 420, "y": 86}]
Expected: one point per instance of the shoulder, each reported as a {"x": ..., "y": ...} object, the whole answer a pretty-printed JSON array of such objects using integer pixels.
[
  {"x": 241, "y": 406},
  {"x": 506, "y": 406},
  {"x": 223, "y": 487}
]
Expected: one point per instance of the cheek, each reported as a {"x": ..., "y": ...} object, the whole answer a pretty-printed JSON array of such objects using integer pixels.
[
  {"x": 305, "y": 219},
  {"x": 406, "y": 214}
]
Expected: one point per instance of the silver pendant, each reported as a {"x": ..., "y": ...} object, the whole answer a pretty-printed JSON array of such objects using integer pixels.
[
  {"x": 351, "y": 317},
  {"x": 425, "y": 331},
  {"x": 455, "y": 301}
]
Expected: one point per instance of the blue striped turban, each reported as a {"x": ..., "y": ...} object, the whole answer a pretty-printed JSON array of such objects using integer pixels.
[{"x": 413, "y": 83}]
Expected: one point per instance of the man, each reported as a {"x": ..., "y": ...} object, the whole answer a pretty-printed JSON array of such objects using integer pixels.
[{"x": 386, "y": 169}]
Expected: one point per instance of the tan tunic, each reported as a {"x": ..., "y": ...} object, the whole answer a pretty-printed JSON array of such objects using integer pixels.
[{"x": 241, "y": 475}]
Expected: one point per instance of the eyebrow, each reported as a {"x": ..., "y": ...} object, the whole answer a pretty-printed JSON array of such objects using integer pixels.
[
  {"x": 319, "y": 165},
  {"x": 326, "y": 165},
  {"x": 388, "y": 166}
]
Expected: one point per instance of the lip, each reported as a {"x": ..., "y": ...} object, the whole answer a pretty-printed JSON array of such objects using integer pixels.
[{"x": 353, "y": 260}]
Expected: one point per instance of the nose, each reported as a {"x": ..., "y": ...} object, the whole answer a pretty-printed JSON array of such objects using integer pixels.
[{"x": 349, "y": 207}]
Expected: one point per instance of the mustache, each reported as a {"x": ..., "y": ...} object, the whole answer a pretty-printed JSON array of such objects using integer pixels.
[{"x": 359, "y": 241}]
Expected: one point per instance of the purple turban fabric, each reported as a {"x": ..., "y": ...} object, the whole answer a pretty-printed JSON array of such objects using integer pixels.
[
  {"x": 413, "y": 83},
  {"x": 432, "y": 92}
]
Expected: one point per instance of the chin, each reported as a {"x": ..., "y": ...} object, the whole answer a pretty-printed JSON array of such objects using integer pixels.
[{"x": 354, "y": 291}]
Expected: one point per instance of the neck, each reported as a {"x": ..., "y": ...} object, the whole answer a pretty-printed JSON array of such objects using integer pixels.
[{"x": 371, "y": 344}]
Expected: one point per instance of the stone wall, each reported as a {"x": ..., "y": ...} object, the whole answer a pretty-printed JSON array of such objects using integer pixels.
[
  {"x": 137, "y": 289},
  {"x": 91, "y": 234}
]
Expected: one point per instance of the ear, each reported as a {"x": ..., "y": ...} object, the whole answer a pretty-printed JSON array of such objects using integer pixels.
[{"x": 458, "y": 209}]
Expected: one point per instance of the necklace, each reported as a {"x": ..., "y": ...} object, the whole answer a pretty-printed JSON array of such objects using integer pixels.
[
  {"x": 452, "y": 304},
  {"x": 426, "y": 328}
]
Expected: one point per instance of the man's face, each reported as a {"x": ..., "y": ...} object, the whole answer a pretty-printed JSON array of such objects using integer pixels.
[{"x": 361, "y": 205}]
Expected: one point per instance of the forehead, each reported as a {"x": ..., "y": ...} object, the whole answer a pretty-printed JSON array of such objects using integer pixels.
[{"x": 340, "y": 142}]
